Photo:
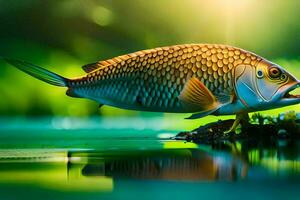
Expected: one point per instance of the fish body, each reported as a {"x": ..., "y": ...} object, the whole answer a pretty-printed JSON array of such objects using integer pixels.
[
  {"x": 153, "y": 80},
  {"x": 195, "y": 78}
]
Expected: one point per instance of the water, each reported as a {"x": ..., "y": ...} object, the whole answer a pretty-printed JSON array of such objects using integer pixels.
[{"x": 135, "y": 159}]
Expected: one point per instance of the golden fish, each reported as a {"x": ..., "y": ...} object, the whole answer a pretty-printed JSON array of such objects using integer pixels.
[{"x": 194, "y": 78}]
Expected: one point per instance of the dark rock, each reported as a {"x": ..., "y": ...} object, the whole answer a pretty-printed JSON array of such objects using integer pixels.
[{"x": 283, "y": 127}]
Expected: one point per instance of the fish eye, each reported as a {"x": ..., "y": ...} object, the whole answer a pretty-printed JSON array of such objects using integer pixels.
[
  {"x": 260, "y": 74},
  {"x": 274, "y": 72}
]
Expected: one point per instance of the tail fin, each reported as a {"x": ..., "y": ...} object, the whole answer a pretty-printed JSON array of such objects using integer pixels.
[{"x": 38, "y": 72}]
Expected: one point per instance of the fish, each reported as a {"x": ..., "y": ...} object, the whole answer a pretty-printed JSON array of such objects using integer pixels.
[{"x": 202, "y": 79}]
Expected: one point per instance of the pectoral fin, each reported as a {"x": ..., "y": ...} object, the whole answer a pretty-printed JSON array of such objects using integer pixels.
[
  {"x": 223, "y": 99},
  {"x": 196, "y": 94}
]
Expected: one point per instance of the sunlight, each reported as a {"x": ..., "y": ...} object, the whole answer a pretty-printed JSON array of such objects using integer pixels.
[{"x": 233, "y": 12}]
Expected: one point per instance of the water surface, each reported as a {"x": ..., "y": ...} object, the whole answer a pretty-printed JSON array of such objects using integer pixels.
[{"x": 131, "y": 158}]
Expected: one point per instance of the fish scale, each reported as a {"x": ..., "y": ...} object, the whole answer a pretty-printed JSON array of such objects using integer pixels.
[{"x": 153, "y": 79}]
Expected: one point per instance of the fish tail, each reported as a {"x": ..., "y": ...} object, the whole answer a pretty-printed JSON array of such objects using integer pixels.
[{"x": 39, "y": 73}]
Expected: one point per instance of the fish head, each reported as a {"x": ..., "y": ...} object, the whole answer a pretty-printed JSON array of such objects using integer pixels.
[
  {"x": 274, "y": 84},
  {"x": 265, "y": 86}
]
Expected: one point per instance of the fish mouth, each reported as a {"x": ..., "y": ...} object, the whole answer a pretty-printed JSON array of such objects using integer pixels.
[{"x": 288, "y": 96}]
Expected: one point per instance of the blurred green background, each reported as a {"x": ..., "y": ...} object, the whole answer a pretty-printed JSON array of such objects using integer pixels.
[{"x": 63, "y": 35}]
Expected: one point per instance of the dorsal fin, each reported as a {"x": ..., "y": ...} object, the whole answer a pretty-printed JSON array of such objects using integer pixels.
[
  {"x": 90, "y": 67},
  {"x": 100, "y": 64},
  {"x": 93, "y": 66}
]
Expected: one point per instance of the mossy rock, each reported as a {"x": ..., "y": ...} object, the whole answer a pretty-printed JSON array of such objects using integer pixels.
[{"x": 259, "y": 127}]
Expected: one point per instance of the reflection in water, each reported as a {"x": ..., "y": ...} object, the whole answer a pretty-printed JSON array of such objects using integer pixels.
[
  {"x": 185, "y": 164},
  {"x": 280, "y": 157},
  {"x": 96, "y": 170}
]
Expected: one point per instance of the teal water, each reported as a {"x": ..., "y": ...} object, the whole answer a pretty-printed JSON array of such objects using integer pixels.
[{"x": 134, "y": 158}]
